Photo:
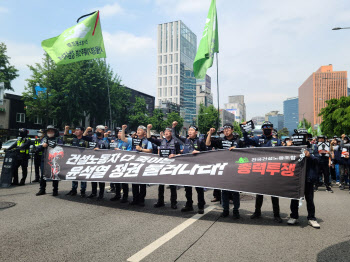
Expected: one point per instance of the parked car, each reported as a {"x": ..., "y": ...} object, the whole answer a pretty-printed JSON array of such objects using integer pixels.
[{"x": 6, "y": 145}]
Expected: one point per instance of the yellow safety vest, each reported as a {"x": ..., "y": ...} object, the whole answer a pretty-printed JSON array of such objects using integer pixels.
[
  {"x": 38, "y": 143},
  {"x": 20, "y": 142}
]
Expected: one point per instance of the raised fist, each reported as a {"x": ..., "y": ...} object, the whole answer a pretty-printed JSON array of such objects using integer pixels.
[
  {"x": 212, "y": 130},
  {"x": 66, "y": 128},
  {"x": 124, "y": 127},
  {"x": 175, "y": 123},
  {"x": 89, "y": 129},
  {"x": 149, "y": 126}
]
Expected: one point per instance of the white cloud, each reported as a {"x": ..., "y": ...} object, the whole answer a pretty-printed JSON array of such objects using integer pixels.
[
  {"x": 183, "y": 6},
  {"x": 109, "y": 10},
  {"x": 4, "y": 10}
]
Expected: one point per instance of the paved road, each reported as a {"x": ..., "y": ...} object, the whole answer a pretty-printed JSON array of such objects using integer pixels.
[{"x": 47, "y": 228}]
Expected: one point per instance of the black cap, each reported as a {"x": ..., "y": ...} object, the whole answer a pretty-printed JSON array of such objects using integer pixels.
[
  {"x": 80, "y": 128},
  {"x": 228, "y": 125},
  {"x": 267, "y": 124}
]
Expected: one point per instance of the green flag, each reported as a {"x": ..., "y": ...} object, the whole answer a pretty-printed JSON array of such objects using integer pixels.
[
  {"x": 319, "y": 132},
  {"x": 208, "y": 45},
  {"x": 83, "y": 41},
  {"x": 309, "y": 130},
  {"x": 300, "y": 125}
]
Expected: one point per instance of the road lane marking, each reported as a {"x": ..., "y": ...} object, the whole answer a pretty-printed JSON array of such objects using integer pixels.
[{"x": 168, "y": 236}]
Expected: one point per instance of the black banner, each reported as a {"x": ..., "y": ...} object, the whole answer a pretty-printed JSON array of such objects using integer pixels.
[
  {"x": 276, "y": 171},
  {"x": 249, "y": 126}
]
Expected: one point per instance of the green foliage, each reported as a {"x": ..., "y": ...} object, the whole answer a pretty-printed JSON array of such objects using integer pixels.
[
  {"x": 157, "y": 120},
  {"x": 173, "y": 116},
  {"x": 336, "y": 117},
  {"x": 237, "y": 128},
  {"x": 138, "y": 116},
  {"x": 207, "y": 118},
  {"x": 7, "y": 71},
  {"x": 283, "y": 132},
  {"x": 75, "y": 91}
]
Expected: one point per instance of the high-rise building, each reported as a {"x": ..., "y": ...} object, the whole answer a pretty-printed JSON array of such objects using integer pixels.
[
  {"x": 258, "y": 120},
  {"x": 291, "y": 114},
  {"x": 271, "y": 113},
  {"x": 322, "y": 85},
  {"x": 277, "y": 121},
  {"x": 237, "y": 107},
  {"x": 177, "y": 47},
  {"x": 226, "y": 117},
  {"x": 203, "y": 92}
]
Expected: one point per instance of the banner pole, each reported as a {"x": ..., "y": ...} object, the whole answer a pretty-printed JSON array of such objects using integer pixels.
[{"x": 217, "y": 85}]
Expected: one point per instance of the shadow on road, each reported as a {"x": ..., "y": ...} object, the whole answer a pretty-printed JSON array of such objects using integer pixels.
[{"x": 338, "y": 252}]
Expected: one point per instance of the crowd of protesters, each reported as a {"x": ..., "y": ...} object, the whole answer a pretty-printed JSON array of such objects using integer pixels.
[{"x": 327, "y": 163}]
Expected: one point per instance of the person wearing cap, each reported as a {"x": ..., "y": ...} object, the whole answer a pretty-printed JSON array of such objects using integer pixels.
[
  {"x": 121, "y": 145},
  {"x": 77, "y": 141},
  {"x": 100, "y": 141},
  {"x": 38, "y": 155},
  {"x": 324, "y": 163},
  {"x": 168, "y": 147},
  {"x": 139, "y": 144},
  {"x": 192, "y": 145},
  {"x": 312, "y": 160},
  {"x": 265, "y": 140},
  {"x": 22, "y": 149},
  {"x": 230, "y": 141},
  {"x": 51, "y": 139}
]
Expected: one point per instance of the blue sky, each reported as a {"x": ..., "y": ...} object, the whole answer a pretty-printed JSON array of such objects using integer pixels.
[{"x": 268, "y": 48}]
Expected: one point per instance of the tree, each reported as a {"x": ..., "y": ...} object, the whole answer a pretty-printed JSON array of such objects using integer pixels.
[
  {"x": 173, "y": 116},
  {"x": 336, "y": 117},
  {"x": 7, "y": 71},
  {"x": 283, "y": 132},
  {"x": 207, "y": 118},
  {"x": 138, "y": 116},
  {"x": 157, "y": 120},
  {"x": 75, "y": 91},
  {"x": 237, "y": 128}
]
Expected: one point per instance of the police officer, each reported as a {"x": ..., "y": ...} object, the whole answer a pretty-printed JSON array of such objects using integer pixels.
[
  {"x": 38, "y": 155},
  {"x": 22, "y": 148},
  {"x": 77, "y": 141},
  {"x": 265, "y": 140},
  {"x": 141, "y": 144},
  {"x": 100, "y": 141},
  {"x": 324, "y": 163},
  {"x": 343, "y": 157},
  {"x": 168, "y": 147},
  {"x": 52, "y": 139},
  {"x": 312, "y": 159},
  {"x": 192, "y": 145},
  {"x": 121, "y": 145},
  {"x": 230, "y": 141}
]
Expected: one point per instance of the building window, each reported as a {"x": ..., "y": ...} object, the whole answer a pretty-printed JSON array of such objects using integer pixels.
[
  {"x": 170, "y": 91},
  {"x": 38, "y": 120},
  {"x": 176, "y": 91},
  {"x": 160, "y": 59},
  {"x": 170, "y": 69},
  {"x": 159, "y": 101},
  {"x": 160, "y": 71},
  {"x": 20, "y": 118},
  {"x": 160, "y": 81},
  {"x": 165, "y": 60},
  {"x": 170, "y": 80},
  {"x": 170, "y": 100},
  {"x": 171, "y": 58},
  {"x": 165, "y": 91},
  {"x": 176, "y": 57},
  {"x": 159, "y": 92},
  {"x": 176, "y": 69},
  {"x": 53, "y": 122},
  {"x": 175, "y": 100},
  {"x": 176, "y": 80},
  {"x": 165, "y": 81},
  {"x": 165, "y": 71}
]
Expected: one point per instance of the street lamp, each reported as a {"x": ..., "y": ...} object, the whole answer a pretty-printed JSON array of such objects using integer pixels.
[{"x": 340, "y": 28}]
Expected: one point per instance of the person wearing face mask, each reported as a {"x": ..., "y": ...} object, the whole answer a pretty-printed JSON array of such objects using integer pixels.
[
  {"x": 324, "y": 163},
  {"x": 265, "y": 140},
  {"x": 77, "y": 141},
  {"x": 192, "y": 145},
  {"x": 230, "y": 141},
  {"x": 100, "y": 141},
  {"x": 52, "y": 139},
  {"x": 139, "y": 143},
  {"x": 22, "y": 149},
  {"x": 168, "y": 147},
  {"x": 38, "y": 155}
]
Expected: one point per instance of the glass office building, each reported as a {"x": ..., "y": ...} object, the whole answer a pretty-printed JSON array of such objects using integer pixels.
[{"x": 291, "y": 114}]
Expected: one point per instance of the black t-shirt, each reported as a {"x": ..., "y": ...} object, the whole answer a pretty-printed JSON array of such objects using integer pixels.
[{"x": 224, "y": 143}]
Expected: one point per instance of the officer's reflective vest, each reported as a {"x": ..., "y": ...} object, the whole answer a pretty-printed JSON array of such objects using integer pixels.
[
  {"x": 20, "y": 142},
  {"x": 38, "y": 143}
]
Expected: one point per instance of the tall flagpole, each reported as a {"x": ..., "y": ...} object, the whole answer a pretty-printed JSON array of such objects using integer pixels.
[
  {"x": 217, "y": 85},
  {"x": 109, "y": 97}
]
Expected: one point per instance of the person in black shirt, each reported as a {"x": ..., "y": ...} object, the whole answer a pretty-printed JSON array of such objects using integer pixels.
[
  {"x": 192, "y": 145},
  {"x": 168, "y": 147},
  {"x": 229, "y": 142}
]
